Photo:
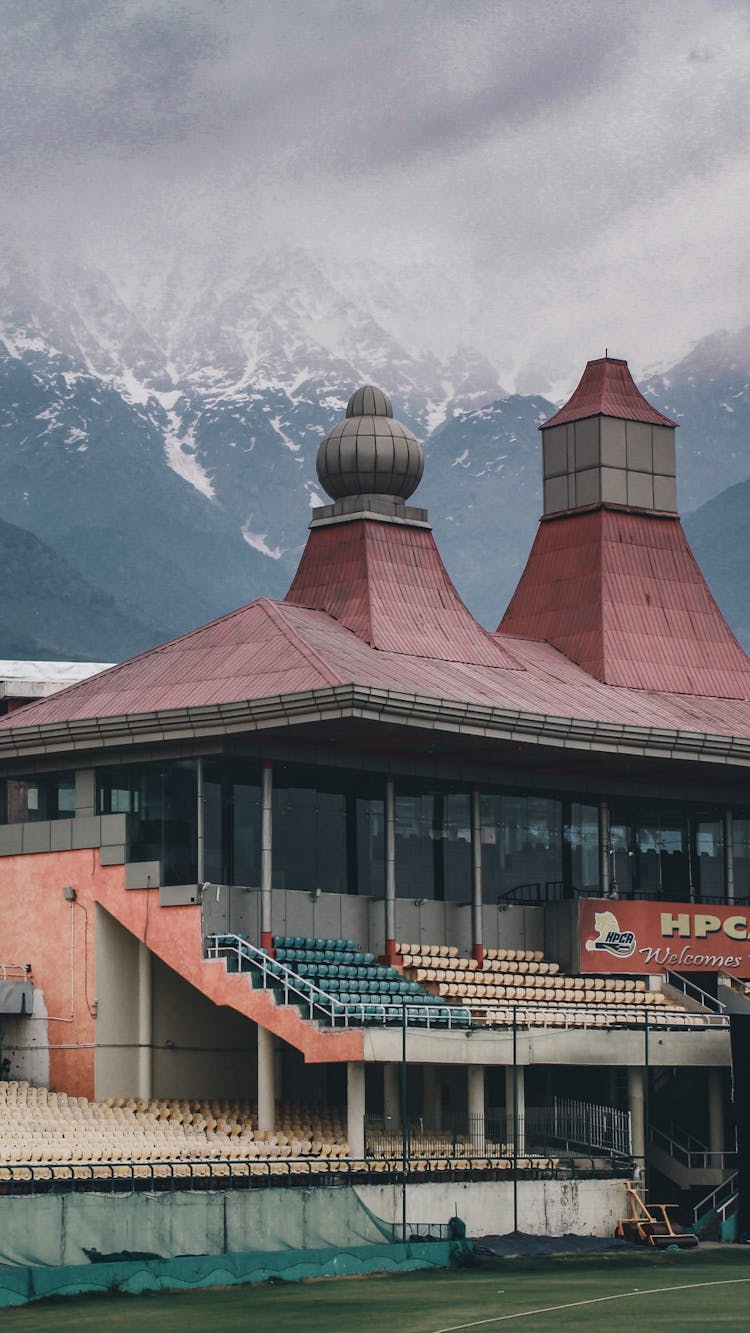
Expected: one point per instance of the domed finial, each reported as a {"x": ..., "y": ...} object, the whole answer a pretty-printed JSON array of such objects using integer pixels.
[
  {"x": 369, "y": 452},
  {"x": 369, "y": 401}
]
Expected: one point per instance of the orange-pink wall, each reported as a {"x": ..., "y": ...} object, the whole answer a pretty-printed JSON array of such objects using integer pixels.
[{"x": 35, "y": 928}]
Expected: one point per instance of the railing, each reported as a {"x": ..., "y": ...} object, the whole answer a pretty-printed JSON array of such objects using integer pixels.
[
  {"x": 693, "y": 992},
  {"x": 15, "y": 971},
  {"x": 563, "y": 1125},
  {"x": 167, "y": 1176},
  {"x": 720, "y": 1200},
  {"x": 318, "y": 1004},
  {"x": 691, "y": 1153},
  {"x": 536, "y": 891}
]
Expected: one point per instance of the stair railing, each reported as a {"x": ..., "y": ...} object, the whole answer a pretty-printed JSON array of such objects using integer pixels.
[{"x": 719, "y": 1200}]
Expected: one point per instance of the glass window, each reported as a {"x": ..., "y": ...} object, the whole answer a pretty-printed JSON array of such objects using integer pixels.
[
  {"x": 665, "y": 853},
  {"x": 433, "y": 844},
  {"x": 328, "y": 830},
  {"x": 45, "y": 796},
  {"x": 581, "y": 835},
  {"x": 521, "y": 846},
  {"x": 741, "y": 846},
  {"x": 162, "y": 800},
  {"x": 232, "y": 822}
]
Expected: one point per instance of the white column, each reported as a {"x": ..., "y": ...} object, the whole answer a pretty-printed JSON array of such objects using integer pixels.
[
  {"x": 391, "y": 1096},
  {"x": 266, "y": 856},
  {"x": 266, "y": 1080},
  {"x": 477, "y": 937},
  {"x": 390, "y": 867},
  {"x": 355, "y": 1109},
  {"x": 521, "y": 1101},
  {"x": 604, "y": 884},
  {"x": 715, "y": 1111},
  {"x": 145, "y": 1022},
  {"x": 475, "y": 1099},
  {"x": 636, "y": 1108},
  {"x": 432, "y": 1091}
]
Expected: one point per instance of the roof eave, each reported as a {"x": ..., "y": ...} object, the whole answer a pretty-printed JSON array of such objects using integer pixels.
[{"x": 389, "y": 707}]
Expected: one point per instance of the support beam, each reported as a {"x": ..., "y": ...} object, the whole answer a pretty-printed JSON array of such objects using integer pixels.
[
  {"x": 475, "y": 1103},
  {"x": 604, "y": 878},
  {"x": 266, "y": 1080},
  {"x": 391, "y": 1098},
  {"x": 636, "y": 1100},
  {"x": 729, "y": 855},
  {"x": 266, "y": 856},
  {"x": 355, "y": 1109},
  {"x": 477, "y": 939},
  {"x": 515, "y": 1090},
  {"x": 145, "y": 1022},
  {"x": 716, "y": 1142},
  {"x": 390, "y": 869}
]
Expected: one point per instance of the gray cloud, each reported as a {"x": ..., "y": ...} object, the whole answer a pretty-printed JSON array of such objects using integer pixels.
[{"x": 526, "y": 174}]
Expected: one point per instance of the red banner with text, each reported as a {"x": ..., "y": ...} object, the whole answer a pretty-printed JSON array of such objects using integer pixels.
[{"x": 653, "y": 937}]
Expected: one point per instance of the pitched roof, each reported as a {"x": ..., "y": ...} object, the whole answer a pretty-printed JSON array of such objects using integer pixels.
[
  {"x": 621, "y": 594},
  {"x": 269, "y": 649},
  {"x": 387, "y": 583},
  {"x": 607, "y": 388}
]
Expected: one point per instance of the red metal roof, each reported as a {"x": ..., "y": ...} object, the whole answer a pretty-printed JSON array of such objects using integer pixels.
[
  {"x": 387, "y": 583},
  {"x": 607, "y": 388},
  {"x": 621, "y": 594}
]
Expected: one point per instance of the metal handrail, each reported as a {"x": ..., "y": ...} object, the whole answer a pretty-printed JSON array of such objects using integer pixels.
[
  {"x": 253, "y": 1173},
  {"x": 713, "y": 1202},
  {"x": 694, "y": 992},
  {"x": 695, "y": 1159},
  {"x": 321, "y": 1003},
  {"x": 15, "y": 971}
]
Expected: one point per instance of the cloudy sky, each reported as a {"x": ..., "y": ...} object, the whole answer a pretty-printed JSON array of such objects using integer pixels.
[{"x": 539, "y": 178}]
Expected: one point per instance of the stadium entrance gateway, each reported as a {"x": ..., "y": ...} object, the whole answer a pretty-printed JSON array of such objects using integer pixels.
[{"x": 637, "y": 937}]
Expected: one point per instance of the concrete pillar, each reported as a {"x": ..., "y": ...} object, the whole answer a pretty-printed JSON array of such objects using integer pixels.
[
  {"x": 266, "y": 856},
  {"x": 477, "y": 938},
  {"x": 520, "y": 1090},
  {"x": 392, "y": 1096},
  {"x": 636, "y": 1108},
  {"x": 266, "y": 1080},
  {"x": 432, "y": 1109},
  {"x": 475, "y": 1104},
  {"x": 729, "y": 855},
  {"x": 85, "y": 792},
  {"x": 716, "y": 1111},
  {"x": 390, "y": 868},
  {"x": 145, "y": 1022},
  {"x": 355, "y": 1109},
  {"x": 604, "y": 879}
]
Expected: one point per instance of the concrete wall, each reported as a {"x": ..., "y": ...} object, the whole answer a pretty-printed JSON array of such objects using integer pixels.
[
  {"x": 545, "y": 1207},
  {"x": 200, "y": 1049},
  {"x": 116, "y": 963},
  {"x": 343, "y": 916},
  {"x": 24, "y": 1041}
]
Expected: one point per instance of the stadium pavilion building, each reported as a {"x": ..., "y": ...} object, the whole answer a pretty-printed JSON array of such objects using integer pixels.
[{"x": 351, "y": 850}]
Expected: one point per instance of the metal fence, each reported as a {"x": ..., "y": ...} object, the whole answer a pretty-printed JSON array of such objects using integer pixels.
[{"x": 561, "y": 1126}]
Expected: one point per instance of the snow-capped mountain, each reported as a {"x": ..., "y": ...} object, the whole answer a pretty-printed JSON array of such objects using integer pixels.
[{"x": 163, "y": 438}]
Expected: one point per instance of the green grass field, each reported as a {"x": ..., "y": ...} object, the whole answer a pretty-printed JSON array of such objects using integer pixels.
[{"x": 651, "y": 1293}]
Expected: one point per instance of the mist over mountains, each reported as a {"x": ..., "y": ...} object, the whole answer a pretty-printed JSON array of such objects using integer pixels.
[{"x": 166, "y": 454}]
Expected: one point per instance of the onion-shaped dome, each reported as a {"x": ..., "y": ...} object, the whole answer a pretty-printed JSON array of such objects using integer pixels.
[{"x": 369, "y": 452}]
